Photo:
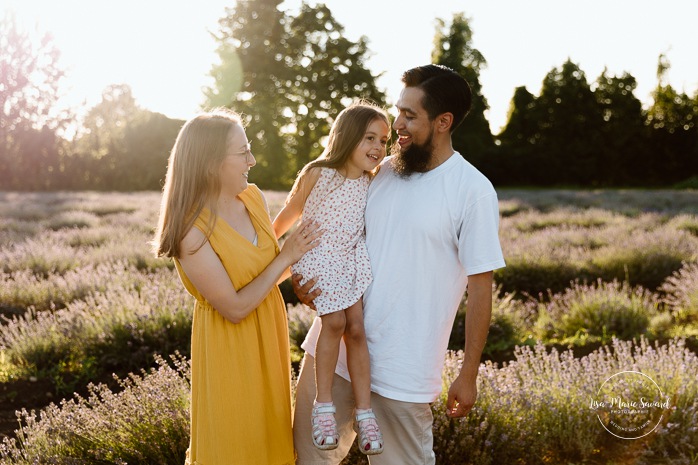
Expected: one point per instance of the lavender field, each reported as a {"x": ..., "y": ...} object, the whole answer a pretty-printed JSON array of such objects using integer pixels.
[{"x": 597, "y": 282}]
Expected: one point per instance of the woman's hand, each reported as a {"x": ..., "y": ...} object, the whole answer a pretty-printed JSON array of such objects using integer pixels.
[{"x": 300, "y": 241}]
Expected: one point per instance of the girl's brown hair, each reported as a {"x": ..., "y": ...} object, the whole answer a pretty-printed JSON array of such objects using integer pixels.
[
  {"x": 192, "y": 182},
  {"x": 345, "y": 135}
]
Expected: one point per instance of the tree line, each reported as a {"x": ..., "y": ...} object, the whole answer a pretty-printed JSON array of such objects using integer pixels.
[{"x": 290, "y": 74}]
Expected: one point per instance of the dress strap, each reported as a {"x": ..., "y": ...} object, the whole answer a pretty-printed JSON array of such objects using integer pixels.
[{"x": 254, "y": 201}]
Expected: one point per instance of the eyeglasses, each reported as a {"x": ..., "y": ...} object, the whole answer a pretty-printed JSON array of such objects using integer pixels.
[{"x": 247, "y": 153}]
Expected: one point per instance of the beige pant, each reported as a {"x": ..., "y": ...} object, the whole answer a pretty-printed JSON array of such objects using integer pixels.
[{"x": 406, "y": 426}]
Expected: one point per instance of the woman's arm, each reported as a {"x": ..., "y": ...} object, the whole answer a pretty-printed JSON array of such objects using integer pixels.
[
  {"x": 293, "y": 208},
  {"x": 284, "y": 276},
  {"x": 206, "y": 272}
]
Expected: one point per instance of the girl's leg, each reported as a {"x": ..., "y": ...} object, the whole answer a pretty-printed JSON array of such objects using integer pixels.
[
  {"x": 357, "y": 355},
  {"x": 323, "y": 421},
  {"x": 326, "y": 354},
  {"x": 308, "y": 453},
  {"x": 358, "y": 362}
]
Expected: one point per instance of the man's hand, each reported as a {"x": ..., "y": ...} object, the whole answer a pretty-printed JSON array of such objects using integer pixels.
[
  {"x": 303, "y": 292},
  {"x": 463, "y": 391},
  {"x": 461, "y": 397}
]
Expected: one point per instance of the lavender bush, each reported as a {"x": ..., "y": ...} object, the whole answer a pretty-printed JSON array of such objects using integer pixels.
[
  {"x": 645, "y": 258},
  {"x": 624, "y": 201},
  {"x": 57, "y": 252},
  {"x": 118, "y": 328},
  {"x": 536, "y": 409},
  {"x": 547, "y": 250},
  {"x": 52, "y": 233},
  {"x": 146, "y": 422},
  {"x": 533, "y": 410},
  {"x": 508, "y": 328},
  {"x": 88, "y": 298},
  {"x": 300, "y": 318},
  {"x": 23, "y": 289},
  {"x": 681, "y": 297},
  {"x": 600, "y": 311}
]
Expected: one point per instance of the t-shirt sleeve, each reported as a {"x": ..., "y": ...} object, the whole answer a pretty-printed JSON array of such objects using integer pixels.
[{"x": 479, "y": 249}]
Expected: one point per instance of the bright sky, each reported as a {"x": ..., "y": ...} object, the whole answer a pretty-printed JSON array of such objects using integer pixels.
[{"x": 163, "y": 49}]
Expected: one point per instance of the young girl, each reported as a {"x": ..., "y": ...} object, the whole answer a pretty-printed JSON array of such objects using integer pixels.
[{"x": 332, "y": 191}]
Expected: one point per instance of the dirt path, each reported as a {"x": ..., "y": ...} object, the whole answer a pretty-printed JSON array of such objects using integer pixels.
[{"x": 16, "y": 395}]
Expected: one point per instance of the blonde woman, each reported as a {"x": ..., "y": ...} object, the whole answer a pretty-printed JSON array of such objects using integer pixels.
[{"x": 217, "y": 229}]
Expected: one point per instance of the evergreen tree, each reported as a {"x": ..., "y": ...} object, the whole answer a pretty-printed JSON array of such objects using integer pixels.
[
  {"x": 454, "y": 49},
  {"x": 568, "y": 149},
  {"x": 673, "y": 134},
  {"x": 518, "y": 140},
  {"x": 624, "y": 154}
]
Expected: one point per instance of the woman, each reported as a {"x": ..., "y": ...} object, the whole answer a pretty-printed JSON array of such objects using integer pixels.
[{"x": 218, "y": 230}]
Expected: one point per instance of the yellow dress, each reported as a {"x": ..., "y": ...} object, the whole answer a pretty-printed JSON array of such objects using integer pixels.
[{"x": 241, "y": 375}]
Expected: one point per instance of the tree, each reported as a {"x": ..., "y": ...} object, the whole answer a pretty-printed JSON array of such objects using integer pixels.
[
  {"x": 568, "y": 138},
  {"x": 473, "y": 138},
  {"x": 329, "y": 71},
  {"x": 250, "y": 79},
  {"x": 147, "y": 143},
  {"x": 673, "y": 134},
  {"x": 518, "y": 140},
  {"x": 30, "y": 77},
  {"x": 290, "y": 76},
  {"x": 122, "y": 146},
  {"x": 104, "y": 124},
  {"x": 624, "y": 154},
  {"x": 102, "y": 135}
]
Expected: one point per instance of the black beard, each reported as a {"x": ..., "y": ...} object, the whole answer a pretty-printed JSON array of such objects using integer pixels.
[{"x": 413, "y": 160}]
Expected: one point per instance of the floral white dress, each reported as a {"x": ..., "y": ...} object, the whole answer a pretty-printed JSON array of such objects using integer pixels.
[{"x": 340, "y": 262}]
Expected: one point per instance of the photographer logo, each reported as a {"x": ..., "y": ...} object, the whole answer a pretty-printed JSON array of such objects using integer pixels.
[{"x": 629, "y": 405}]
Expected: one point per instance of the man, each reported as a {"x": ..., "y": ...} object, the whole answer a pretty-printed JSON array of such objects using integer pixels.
[{"x": 431, "y": 230}]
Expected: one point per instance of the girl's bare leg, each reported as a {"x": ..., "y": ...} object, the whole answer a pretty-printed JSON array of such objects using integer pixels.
[
  {"x": 327, "y": 352},
  {"x": 357, "y": 355}
]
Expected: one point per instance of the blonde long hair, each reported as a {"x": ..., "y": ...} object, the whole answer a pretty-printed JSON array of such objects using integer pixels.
[
  {"x": 346, "y": 133},
  {"x": 192, "y": 181}
]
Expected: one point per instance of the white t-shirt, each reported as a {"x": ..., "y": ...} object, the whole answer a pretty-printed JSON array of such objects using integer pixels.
[{"x": 425, "y": 234}]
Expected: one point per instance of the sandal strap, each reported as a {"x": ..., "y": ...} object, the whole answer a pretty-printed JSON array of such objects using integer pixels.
[
  {"x": 370, "y": 431},
  {"x": 324, "y": 409},
  {"x": 365, "y": 416}
]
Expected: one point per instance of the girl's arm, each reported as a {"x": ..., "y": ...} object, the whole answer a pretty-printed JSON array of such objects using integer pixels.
[
  {"x": 206, "y": 272},
  {"x": 293, "y": 208}
]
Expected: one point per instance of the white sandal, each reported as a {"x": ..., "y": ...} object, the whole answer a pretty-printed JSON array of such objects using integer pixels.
[
  {"x": 325, "y": 436},
  {"x": 370, "y": 437}
]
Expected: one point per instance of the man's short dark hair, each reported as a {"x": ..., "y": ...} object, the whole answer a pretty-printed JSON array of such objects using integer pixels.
[{"x": 445, "y": 91}]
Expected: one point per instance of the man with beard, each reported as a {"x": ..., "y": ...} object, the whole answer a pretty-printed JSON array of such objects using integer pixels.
[{"x": 431, "y": 231}]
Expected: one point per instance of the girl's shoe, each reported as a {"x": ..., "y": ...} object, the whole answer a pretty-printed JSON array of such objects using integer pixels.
[
  {"x": 370, "y": 437},
  {"x": 325, "y": 436}
]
